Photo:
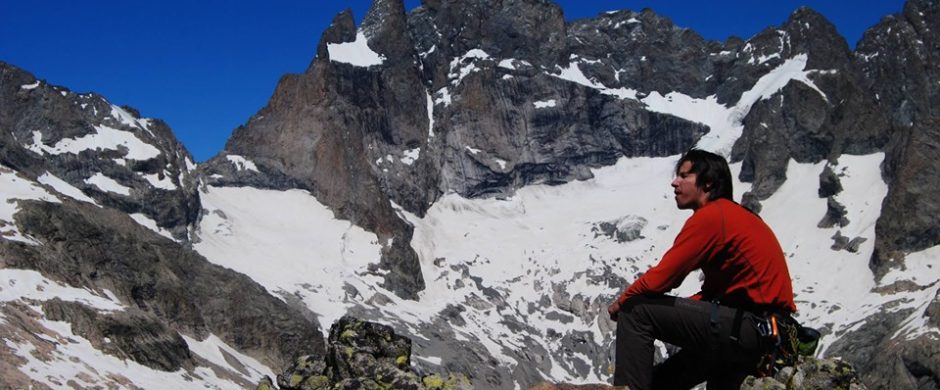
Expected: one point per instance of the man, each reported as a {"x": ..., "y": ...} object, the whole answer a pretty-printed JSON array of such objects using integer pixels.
[{"x": 746, "y": 276}]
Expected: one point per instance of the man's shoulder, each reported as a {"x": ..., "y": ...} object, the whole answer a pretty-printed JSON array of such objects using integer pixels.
[
  {"x": 715, "y": 208},
  {"x": 722, "y": 209}
]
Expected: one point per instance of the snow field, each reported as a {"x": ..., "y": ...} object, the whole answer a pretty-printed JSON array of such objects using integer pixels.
[{"x": 289, "y": 243}]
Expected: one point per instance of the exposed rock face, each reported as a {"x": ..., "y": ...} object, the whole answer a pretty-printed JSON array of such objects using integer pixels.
[
  {"x": 327, "y": 128},
  {"x": 174, "y": 287},
  {"x": 902, "y": 68},
  {"x": 136, "y": 336},
  {"x": 644, "y": 51}
]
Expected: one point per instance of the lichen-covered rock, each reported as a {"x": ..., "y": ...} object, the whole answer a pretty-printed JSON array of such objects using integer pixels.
[
  {"x": 309, "y": 372},
  {"x": 810, "y": 373},
  {"x": 453, "y": 382},
  {"x": 362, "y": 356},
  {"x": 359, "y": 348},
  {"x": 265, "y": 384}
]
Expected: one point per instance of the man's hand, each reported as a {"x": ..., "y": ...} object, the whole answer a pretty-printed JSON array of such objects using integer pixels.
[{"x": 613, "y": 309}]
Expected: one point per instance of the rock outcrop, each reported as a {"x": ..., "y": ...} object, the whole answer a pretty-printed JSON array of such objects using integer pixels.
[
  {"x": 362, "y": 355},
  {"x": 807, "y": 374}
]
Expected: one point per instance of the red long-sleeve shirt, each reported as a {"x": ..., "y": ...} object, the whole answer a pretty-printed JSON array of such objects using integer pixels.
[{"x": 743, "y": 263}]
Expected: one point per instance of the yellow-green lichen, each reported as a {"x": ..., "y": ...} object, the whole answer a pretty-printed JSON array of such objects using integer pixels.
[
  {"x": 265, "y": 386},
  {"x": 317, "y": 382},
  {"x": 401, "y": 361},
  {"x": 455, "y": 380},
  {"x": 295, "y": 380},
  {"x": 433, "y": 382}
]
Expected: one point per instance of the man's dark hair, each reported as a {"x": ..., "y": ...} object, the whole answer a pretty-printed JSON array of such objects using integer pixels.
[{"x": 711, "y": 173}]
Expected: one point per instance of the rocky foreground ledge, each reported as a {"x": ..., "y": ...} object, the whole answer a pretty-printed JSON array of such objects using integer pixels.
[
  {"x": 811, "y": 373},
  {"x": 362, "y": 355},
  {"x": 365, "y": 355}
]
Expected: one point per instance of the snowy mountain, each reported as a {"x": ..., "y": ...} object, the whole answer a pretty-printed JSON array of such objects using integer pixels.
[{"x": 484, "y": 178}]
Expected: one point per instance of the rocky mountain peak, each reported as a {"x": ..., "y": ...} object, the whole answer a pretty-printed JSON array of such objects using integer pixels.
[
  {"x": 342, "y": 29},
  {"x": 807, "y": 32},
  {"x": 531, "y": 30}
]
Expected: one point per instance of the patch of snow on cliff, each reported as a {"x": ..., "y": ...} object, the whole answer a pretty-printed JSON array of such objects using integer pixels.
[
  {"x": 108, "y": 184},
  {"x": 218, "y": 352},
  {"x": 157, "y": 180},
  {"x": 574, "y": 74},
  {"x": 13, "y": 188},
  {"x": 443, "y": 97},
  {"x": 127, "y": 118},
  {"x": 545, "y": 103},
  {"x": 430, "y": 108},
  {"x": 30, "y": 86},
  {"x": 464, "y": 65},
  {"x": 626, "y": 22},
  {"x": 64, "y": 188},
  {"x": 147, "y": 222},
  {"x": 241, "y": 163},
  {"x": 507, "y": 64},
  {"x": 19, "y": 284},
  {"x": 410, "y": 156},
  {"x": 106, "y": 138},
  {"x": 356, "y": 53}
]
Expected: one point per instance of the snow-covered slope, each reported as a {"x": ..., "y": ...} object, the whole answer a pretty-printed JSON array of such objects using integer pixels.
[{"x": 40, "y": 351}]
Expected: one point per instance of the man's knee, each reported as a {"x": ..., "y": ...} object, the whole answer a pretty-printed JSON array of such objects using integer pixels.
[
  {"x": 647, "y": 301},
  {"x": 641, "y": 308}
]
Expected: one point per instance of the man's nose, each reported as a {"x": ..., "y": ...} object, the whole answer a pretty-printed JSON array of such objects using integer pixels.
[{"x": 675, "y": 183}]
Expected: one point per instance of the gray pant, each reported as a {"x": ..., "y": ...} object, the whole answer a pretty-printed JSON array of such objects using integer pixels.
[{"x": 720, "y": 345}]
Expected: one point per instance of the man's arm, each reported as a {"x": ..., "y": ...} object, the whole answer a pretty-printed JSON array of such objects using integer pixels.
[{"x": 694, "y": 244}]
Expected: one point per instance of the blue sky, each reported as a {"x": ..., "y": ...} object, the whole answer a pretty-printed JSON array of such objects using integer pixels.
[{"x": 206, "y": 66}]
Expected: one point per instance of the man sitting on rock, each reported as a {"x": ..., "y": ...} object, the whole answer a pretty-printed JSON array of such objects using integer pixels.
[{"x": 745, "y": 276}]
